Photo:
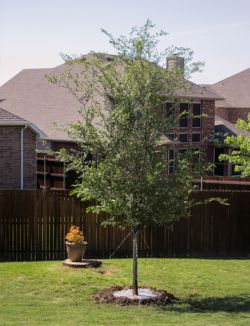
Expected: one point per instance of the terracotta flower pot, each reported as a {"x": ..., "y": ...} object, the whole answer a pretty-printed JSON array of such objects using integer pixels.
[{"x": 76, "y": 251}]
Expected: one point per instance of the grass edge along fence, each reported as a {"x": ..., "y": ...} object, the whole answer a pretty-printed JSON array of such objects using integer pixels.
[{"x": 33, "y": 224}]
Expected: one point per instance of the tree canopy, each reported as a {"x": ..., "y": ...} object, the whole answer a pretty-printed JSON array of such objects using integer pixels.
[
  {"x": 240, "y": 154},
  {"x": 122, "y": 163},
  {"x": 124, "y": 122}
]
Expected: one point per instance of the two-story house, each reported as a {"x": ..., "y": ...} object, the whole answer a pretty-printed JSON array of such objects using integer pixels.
[
  {"x": 51, "y": 108},
  {"x": 235, "y": 91}
]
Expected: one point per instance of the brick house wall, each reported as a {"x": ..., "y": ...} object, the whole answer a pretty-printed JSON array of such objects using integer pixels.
[
  {"x": 205, "y": 130},
  {"x": 208, "y": 108},
  {"x": 232, "y": 114},
  {"x": 10, "y": 158},
  {"x": 51, "y": 174},
  {"x": 222, "y": 113}
]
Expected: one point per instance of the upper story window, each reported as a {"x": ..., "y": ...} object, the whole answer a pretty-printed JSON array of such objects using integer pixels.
[
  {"x": 196, "y": 118},
  {"x": 196, "y": 138},
  {"x": 171, "y": 161},
  {"x": 184, "y": 111},
  {"x": 189, "y": 114},
  {"x": 183, "y": 138}
]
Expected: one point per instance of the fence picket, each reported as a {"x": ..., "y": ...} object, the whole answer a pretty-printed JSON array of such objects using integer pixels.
[{"x": 33, "y": 224}]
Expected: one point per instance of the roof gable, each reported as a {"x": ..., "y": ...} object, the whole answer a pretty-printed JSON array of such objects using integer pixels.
[
  {"x": 9, "y": 119},
  {"x": 51, "y": 108},
  {"x": 235, "y": 89},
  {"x": 229, "y": 128}
]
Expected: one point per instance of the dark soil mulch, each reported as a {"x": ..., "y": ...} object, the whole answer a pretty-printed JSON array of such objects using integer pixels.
[{"x": 106, "y": 296}]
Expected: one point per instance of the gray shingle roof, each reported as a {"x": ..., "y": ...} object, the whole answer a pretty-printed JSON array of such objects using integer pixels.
[
  {"x": 204, "y": 92},
  {"x": 9, "y": 118},
  {"x": 227, "y": 127},
  {"x": 235, "y": 90},
  {"x": 30, "y": 95},
  {"x": 223, "y": 128}
]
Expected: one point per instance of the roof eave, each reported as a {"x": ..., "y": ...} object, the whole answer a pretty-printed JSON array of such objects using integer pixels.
[
  {"x": 201, "y": 97},
  {"x": 234, "y": 107},
  {"x": 38, "y": 131}
]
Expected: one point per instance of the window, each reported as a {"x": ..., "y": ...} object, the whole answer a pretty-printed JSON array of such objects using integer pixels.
[
  {"x": 233, "y": 172},
  {"x": 196, "y": 138},
  {"x": 171, "y": 154},
  {"x": 183, "y": 122},
  {"x": 196, "y": 109},
  {"x": 196, "y": 121},
  {"x": 171, "y": 161},
  {"x": 184, "y": 107},
  {"x": 219, "y": 166},
  {"x": 183, "y": 138}
]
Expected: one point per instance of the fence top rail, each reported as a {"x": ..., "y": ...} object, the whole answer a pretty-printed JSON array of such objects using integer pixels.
[
  {"x": 220, "y": 190},
  {"x": 67, "y": 192},
  {"x": 61, "y": 191},
  {"x": 224, "y": 182}
]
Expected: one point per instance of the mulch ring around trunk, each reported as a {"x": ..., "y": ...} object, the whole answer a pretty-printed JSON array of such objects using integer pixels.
[{"x": 160, "y": 298}]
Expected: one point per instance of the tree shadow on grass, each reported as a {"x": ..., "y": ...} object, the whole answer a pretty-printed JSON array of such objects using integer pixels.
[{"x": 229, "y": 304}]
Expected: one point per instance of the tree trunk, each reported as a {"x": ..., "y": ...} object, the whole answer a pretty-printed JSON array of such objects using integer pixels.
[{"x": 135, "y": 263}]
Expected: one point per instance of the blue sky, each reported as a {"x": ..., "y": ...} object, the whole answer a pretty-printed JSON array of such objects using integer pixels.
[{"x": 34, "y": 32}]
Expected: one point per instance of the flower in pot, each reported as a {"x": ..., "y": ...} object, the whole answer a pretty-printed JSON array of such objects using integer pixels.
[{"x": 75, "y": 244}]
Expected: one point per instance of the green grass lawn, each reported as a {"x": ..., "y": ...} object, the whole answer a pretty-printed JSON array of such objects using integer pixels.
[{"x": 212, "y": 292}]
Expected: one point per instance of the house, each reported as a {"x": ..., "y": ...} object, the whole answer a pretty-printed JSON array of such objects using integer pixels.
[
  {"x": 51, "y": 108},
  {"x": 223, "y": 128},
  {"x": 194, "y": 129},
  {"x": 17, "y": 152},
  {"x": 235, "y": 91}
]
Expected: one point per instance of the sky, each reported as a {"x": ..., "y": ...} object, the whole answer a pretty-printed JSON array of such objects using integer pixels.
[{"x": 34, "y": 32}]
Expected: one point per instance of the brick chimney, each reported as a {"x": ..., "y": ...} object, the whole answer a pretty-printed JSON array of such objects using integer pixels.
[{"x": 174, "y": 62}]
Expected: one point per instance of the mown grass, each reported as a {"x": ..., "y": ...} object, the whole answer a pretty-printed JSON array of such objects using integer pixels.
[{"x": 211, "y": 292}]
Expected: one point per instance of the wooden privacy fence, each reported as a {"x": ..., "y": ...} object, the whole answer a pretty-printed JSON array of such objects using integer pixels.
[{"x": 33, "y": 224}]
